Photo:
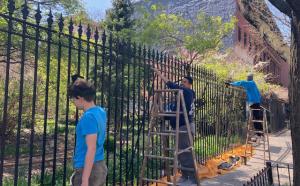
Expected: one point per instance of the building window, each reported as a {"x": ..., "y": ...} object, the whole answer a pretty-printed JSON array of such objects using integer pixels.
[
  {"x": 239, "y": 34},
  {"x": 245, "y": 39}
]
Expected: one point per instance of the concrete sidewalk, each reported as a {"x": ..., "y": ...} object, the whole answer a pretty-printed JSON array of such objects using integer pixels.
[{"x": 281, "y": 151}]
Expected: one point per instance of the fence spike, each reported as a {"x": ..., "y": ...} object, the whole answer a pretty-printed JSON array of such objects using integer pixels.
[
  {"x": 25, "y": 11},
  {"x": 96, "y": 35},
  {"x": 38, "y": 15},
  {"x": 79, "y": 29},
  {"x": 61, "y": 23},
  {"x": 11, "y": 6},
  {"x": 71, "y": 26},
  {"x": 88, "y": 32},
  {"x": 50, "y": 19}
]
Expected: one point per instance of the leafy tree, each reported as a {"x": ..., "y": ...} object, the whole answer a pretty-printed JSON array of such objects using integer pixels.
[
  {"x": 119, "y": 19},
  {"x": 188, "y": 38}
]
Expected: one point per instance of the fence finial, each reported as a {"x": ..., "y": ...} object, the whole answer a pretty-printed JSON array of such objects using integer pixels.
[
  {"x": 38, "y": 15},
  {"x": 71, "y": 26},
  {"x": 80, "y": 29},
  {"x": 88, "y": 32},
  {"x": 61, "y": 23},
  {"x": 11, "y": 6},
  {"x": 50, "y": 18},
  {"x": 25, "y": 11},
  {"x": 96, "y": 35}
]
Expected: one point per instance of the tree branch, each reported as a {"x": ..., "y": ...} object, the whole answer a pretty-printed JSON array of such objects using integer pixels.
[{"x": 282, "y": 6}]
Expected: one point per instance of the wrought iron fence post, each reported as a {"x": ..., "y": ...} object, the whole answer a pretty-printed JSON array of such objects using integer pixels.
[{"x": 269, "y": 173}]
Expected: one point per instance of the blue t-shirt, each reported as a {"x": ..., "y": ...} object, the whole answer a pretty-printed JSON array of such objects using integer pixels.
[
  {"x": 189, "y": 97},
  {"x": 93, "y": 121},
  {"x": 253, "y": 95}
]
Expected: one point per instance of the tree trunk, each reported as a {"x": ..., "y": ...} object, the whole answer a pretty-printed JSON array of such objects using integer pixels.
[{"x": 294, "y": 94}]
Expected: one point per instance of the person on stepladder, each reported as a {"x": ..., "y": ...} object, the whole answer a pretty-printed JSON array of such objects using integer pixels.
[
  {"x": 89, "y": 165},
  {"x": 253, "y": 99},
  {"x": 185, "y": 159}
]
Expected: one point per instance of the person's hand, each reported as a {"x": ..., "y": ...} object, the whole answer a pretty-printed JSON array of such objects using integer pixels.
[{"x": 156, "y": 71}]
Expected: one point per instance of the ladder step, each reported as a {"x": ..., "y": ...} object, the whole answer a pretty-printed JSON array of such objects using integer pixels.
[
  {"x": 173, "y": 112},
  {"x": 257, "y": 131},
  {"x": 258, "y": 121},
  {"x": 255, "y": 109},
  {"x": 157, "y": 181},
  {"x": 185, "y": 150},
  {"x": 174, "y": 131},
  {"x": 159, "y": 157},
  {"x": 183, "y": 168},
  {"x": 163, "y": 133},
  {"x": 166, "y": 114}
]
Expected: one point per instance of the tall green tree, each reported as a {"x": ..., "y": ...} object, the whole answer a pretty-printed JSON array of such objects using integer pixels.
[
  {"x": 119, "y": 19},
  {"x": 187, "y": 38}
]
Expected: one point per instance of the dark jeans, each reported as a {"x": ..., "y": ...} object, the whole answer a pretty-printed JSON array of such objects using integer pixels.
[
  {"x": 257, "y": 115},
  {"x": 186, "y": 159}
]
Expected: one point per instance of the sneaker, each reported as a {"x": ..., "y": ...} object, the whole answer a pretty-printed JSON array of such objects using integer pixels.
[
  {"x": 181, "y": 180},
  {"x": 191, "y": 181},
  {"x": 225, "y": 166}
]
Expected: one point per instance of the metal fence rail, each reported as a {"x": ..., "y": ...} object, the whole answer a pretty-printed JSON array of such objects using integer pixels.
[
  {"x": 37, "y": 119},
  {"x": 273, "y": 174}
]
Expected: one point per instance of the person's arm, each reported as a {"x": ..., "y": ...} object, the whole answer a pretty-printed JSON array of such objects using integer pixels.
[
  {"x": 89, "y": 158},
  {"x": 238, "y": 83},
  {"x": 169, "y": 83},
  {"x": 160, "y": 75}
]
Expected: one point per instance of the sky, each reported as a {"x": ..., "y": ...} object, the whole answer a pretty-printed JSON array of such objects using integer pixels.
[
  {"x": 285, "y": 30},
  {"x": 96, "y": 8}
]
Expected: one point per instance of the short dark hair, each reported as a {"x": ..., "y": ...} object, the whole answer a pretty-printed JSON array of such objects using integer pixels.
[
  {"x": 83, "y": 88},
  {"x": 190, "y": 79}
]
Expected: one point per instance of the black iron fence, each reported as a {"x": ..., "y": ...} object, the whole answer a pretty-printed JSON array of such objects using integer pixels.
[
  {"x": 273, "y": 174},
  {"x": 37, "y": 119}
]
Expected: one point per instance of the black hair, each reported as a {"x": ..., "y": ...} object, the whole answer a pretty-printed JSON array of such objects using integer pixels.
[
  {"x": 82, "y": 88},
  {"x": 189, "y": 78}
]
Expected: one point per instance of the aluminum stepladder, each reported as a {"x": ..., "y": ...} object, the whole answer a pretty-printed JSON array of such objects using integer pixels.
[
  {"x": 158, "y": 113},
  {"x": 251, "y": 132}
]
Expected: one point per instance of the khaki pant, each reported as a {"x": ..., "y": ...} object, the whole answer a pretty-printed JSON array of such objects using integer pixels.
[{"x": 97, "y": 177}]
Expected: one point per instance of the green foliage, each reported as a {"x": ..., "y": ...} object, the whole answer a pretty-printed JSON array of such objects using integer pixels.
[
  {"x": 234, "y": 70},
  {"x": 119, "y": 19},
  {"x": 188, "y": 38}
]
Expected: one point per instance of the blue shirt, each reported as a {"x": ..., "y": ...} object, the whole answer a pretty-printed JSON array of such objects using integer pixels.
[
  {"x": 253, "y": 95},
  {"x": 93, "y": 121},
  {"x": 189, "y": 97}
]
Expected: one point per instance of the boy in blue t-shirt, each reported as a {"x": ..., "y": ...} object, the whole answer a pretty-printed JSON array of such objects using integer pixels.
[{"x": 90, "y": 169}]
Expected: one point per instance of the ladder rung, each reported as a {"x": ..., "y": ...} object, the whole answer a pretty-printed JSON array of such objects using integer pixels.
[
  {"x": 257, "y": 131},
  {"x": 162, "y": 133},
  {"x": 173, "y": 112},
  {"x": 255, "y": 109},
  {"x": 183, "y": 168},
  {"x": 174, "y": 131},
  {"x": 166, "y": 149},
  {"x": 159, "y": 157},
  {"x": 185, "y": 150},
  {"x": 157, "y": 181},
  {"x": 168, "y": 90},
  {"x": 165, "y": 114},
  {"x": 260, "y": 121}
]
